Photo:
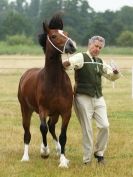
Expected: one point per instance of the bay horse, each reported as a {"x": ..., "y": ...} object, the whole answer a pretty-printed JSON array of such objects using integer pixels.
[{"x": 48, "y": 91}]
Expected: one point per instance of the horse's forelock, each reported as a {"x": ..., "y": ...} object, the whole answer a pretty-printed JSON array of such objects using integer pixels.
[{"x": 56, "y": 22}]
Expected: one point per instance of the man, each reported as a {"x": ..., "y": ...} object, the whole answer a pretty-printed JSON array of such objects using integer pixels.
[{"x": 88, "y": 98}]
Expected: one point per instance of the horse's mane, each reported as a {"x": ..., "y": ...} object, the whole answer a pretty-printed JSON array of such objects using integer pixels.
[{"x": 55, "y": 23}]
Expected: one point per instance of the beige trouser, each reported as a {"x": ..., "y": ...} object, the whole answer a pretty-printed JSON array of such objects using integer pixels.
[{"x": 87, "y": 107}]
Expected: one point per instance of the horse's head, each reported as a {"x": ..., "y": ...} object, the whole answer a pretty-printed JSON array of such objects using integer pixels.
[
  {"x": 56, "y": 37},
  {"x": 60, "y": 41}
]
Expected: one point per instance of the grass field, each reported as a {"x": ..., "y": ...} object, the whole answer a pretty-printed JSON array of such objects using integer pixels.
[{"x": 119, "y": 154}]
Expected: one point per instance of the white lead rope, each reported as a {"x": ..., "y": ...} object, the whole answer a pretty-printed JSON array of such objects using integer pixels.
[
  {"x": 98, "y": 64},
  {"x": 101, "y": 64}
]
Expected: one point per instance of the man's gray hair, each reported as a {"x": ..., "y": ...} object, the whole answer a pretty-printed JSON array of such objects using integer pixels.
[{"x": 99, "y": 38}]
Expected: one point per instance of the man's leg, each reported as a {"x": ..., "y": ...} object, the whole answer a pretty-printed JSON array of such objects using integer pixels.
[
  {"x": 83, "y": 109},
  {"x": 103, "y": 125}
]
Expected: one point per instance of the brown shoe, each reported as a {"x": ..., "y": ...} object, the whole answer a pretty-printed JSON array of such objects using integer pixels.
[{"x": 87, "y": 163}]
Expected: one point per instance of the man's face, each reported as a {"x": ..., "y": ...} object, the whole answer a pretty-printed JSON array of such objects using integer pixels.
[{"x": 95, "y": 48}]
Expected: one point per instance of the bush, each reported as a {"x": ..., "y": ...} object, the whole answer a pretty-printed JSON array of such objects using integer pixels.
[
  {"x": 125, "y": 39},
  {"x": 19, "y": 40}
]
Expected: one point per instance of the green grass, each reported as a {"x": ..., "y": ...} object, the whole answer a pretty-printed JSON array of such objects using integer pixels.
[
  {"x": 117, "y": 50},
  {"x": 112, "y": 50},
  {"x": 19, "y": 49},
  {"x": 37, "y": 50},
  {"x": 119, "y": 154}
]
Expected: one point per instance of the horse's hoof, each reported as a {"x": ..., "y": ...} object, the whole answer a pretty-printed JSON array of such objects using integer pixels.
[
  {"x": 61, "y": 165},
  {"x": 25, "y": 159},
  {"x": 63, "y": 162},
  {"x": 44, "y": 156},
  {"x": 44, "y": 151}
]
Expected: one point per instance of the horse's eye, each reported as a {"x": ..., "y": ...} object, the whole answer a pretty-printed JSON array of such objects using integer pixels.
[
  {"x": 65, "y": 33},
  {"x": 53, "y": 36}
]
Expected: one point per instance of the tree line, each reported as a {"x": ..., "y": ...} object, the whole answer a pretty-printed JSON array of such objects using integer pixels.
[{"x": 21, "y": 17}]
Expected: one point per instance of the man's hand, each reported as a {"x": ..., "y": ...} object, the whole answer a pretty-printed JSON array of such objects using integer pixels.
[
  {"x": 114, "y": 67},
  {"x": 115, "y": 71},
  {"x": 66, "y": 64}
]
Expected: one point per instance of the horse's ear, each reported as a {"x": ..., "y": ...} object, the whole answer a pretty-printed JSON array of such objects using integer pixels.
[{"x": 45, "y": 27}]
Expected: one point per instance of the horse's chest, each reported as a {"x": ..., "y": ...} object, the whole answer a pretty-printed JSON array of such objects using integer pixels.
[
  {"x": 56, "y": 100},
  {"x": 55, "y": 95}
]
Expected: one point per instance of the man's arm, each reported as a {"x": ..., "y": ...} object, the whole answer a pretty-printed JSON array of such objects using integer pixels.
[
  {"x": 111, "y": 72},
  {"x": 74, "y": 62}
]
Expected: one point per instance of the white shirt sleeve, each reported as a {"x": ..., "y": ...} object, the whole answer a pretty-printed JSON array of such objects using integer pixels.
[
  {"x": 108, "y": 72},
  {"x": 76, "y": 61}
]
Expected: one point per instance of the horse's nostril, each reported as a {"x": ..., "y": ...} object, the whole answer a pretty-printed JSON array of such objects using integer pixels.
[{"x": 71, "y": 45}]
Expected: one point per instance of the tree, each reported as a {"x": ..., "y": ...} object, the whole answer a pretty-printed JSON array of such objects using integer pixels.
[
  {"x": 125, "y": 15},
  {"x": 3, "y": 5},
  {"x": 125, "y": 39},
  {"x": 14, "y": 23},
  {"x": 116, "y": 27},
  {"x": 3, "y": 12},
  {"x": 80, "y": 20},
  {"x": 48, "y": 8},
  {"x": 78, "y": 16},
  {"x": 19, "y": 6},
  {"x": 99, "y": 27},
  {"x": 34, "y": 9}
]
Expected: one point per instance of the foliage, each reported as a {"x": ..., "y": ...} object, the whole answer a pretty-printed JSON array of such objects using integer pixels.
[
  {"x": 35, "y": 49},
  {"x": 24, "y": 17},
  {"x": 15, "y": 23},
  {"x": 125, "y": 39},
  {"x": 19, "y": 40},
  {"x": 126, "y": 17},
  {"x": 6, "y": 49}
]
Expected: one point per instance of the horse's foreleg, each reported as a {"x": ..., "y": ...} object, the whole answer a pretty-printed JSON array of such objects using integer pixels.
[
  {"x": 44, "y": 150},
  {"x": 26, "y": 153},
  {"x": 51, "y": 124},
  {"x": 26, "y": 114},
  {"x": 62, "y": 139}
]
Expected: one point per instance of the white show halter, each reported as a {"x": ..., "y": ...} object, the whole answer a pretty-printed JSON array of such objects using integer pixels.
[{"x": 61, "y": 32}]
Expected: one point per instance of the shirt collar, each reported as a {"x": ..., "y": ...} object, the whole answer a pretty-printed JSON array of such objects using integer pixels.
[{"x": 88, "y": 53}]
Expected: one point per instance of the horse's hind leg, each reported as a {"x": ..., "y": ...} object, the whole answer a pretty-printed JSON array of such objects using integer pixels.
[
  {"x": 26, "y": 117},
  {"x": 51, "y": 124}
]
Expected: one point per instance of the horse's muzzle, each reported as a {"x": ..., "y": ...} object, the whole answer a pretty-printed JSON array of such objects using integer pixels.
[{"x": 70, "y": 47}]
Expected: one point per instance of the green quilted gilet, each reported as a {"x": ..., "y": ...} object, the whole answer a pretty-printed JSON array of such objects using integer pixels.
[{"x": 88, "y": 78}]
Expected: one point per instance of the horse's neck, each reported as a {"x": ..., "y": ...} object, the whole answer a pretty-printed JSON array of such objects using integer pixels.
[
  {"x": 53, "y": 62},
  {"x": 53, "y": 67}
]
